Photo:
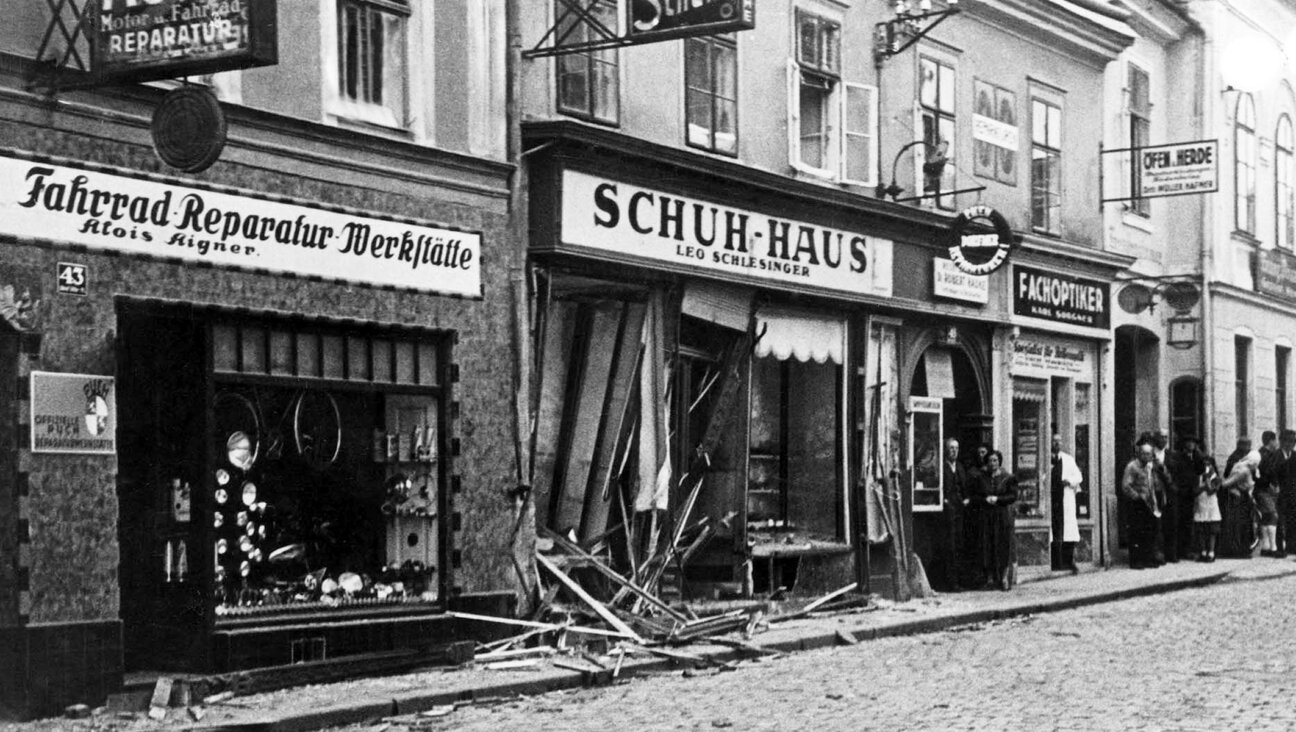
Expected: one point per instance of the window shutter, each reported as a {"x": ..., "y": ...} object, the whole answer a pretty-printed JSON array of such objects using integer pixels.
[
  {"x": 794, "y": 114},
  {"x": 859, "y": 140}
]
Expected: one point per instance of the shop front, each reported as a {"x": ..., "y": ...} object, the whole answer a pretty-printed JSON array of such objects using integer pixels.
[
  {"x": 254, "y": 427},
  {"x": 1054, "y": 357},
  {"x": 702, "y": 364}
]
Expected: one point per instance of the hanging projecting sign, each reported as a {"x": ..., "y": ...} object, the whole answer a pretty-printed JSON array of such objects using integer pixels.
[
  {"x": 659, "y": 20},
  {"x": 104, "y": 211},
  {"x": 140, "y": 40},
  {"x": 1177, "y": 169},
  {"x": 608, "y": 216},
  {"x": 73, "y": 413},
  {"x": 976, "y": 253},
  {"x": 1061, "y": 298}
]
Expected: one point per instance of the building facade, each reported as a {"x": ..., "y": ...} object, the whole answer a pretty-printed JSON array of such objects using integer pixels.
[
  {"x": 745, "y": 340},
  {"x": 254, "y": 415}
]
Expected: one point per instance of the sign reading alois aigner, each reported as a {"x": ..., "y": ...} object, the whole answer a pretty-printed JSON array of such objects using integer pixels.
[
  {"x": 104, "y": 211},
  {"x": 1061, "y": 298},
  {"x": 139, "y": 40},
  {"x": 694, "y": 236}
]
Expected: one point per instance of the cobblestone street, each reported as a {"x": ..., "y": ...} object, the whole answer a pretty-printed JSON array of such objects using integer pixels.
[{"x": 1212, "y": 658}]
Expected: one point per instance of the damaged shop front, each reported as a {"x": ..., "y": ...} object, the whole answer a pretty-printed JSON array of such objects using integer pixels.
[{"x": 702, "y": 411}]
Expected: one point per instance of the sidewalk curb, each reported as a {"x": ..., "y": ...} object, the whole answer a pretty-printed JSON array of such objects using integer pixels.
[{"x": 558, "y": 679}]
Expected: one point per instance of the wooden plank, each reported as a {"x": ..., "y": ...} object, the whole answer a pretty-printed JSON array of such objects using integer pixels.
[
  {"x": 603, "y": 569},
  {"x": 589, "y": 397},
  {"x": 543, "y": 626},
  {"x": 830, "y": 596},
  {"x": 598, "y": 500},
  {"x": 599, "y": 608},
  {"x": 555, "y": 363}
]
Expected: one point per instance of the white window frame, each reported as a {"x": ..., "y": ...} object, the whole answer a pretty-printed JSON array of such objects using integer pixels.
[
  {"x": 949, "y": 177},
  {"x": 836, "y": 163},
  {"x": 339, "y": 108}
]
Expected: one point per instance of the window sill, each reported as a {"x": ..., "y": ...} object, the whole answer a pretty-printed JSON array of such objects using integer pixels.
[
  {"x": 586, "y": 117},
  {"x": 1138, "y": 221},
  {"x": 1246, "y": 237}
]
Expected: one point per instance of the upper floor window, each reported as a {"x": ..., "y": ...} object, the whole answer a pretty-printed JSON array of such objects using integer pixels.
[
  {"x": 1140, "y": 126},
  {"x": 832, "y": 124},
  {"x": 1284, "y": 200},
  {"x": 372, "y": 59},
  {"x": 1244, "y": 164},
  {"x": 994, "y": 133},
  {"x": 1046, "y": 166},
  {"x": 711, "y": 93},
  {"x": 589, "y": 83},
  {"x": 936, "y": 102}
]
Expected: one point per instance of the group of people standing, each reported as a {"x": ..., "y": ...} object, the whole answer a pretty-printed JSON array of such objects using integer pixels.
[
  {"x": 1178, "y": 506},
  {"x": 979, "y": 499}
]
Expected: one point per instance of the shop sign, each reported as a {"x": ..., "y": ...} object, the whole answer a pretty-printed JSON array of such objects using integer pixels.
[
  {"x": 977, "y": 253},
  {"x": 1276, "y": 274},
  {"x": 1177, "y": 169},
  {"x": 692, "y": 235},
  {"x": 140, "y": 40},
  {"x": 103, "y": 211},
  {"x": 73, "y": 413},
  {"x": 1061, "y": 298},
  {"x": 1050, "y": 359},
  {"x": 659, "y": 20},
  {"x": 950, "y": 282}
]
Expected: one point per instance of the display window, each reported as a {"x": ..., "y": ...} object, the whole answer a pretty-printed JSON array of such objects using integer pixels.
[{"x": 325, "y": 478}]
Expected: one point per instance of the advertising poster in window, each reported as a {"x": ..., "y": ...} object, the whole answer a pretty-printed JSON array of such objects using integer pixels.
[
  {"x": 1026, "y": 453},
  {"x": 925, "y": 444},
  {"x": 73, "y": 413}
]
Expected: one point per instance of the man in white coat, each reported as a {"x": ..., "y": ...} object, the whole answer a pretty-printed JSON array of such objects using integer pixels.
[{"x": 1065, "y": 479}]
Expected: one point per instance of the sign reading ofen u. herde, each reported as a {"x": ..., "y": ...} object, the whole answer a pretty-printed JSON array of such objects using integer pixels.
[
  {"x": 696, "y": 236},
  {"x": 142, "y": 216}
]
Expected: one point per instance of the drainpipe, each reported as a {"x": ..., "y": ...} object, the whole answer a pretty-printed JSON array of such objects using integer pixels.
[{"x": 1205, "y": 121}]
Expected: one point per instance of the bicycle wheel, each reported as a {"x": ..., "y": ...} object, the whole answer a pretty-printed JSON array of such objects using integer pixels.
[
  {"x": 317, "y": 428},
  {"x": 238, "y": 427}
]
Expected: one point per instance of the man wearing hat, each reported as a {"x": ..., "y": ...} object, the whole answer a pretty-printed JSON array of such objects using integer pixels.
[{"x": 1185, "y": 466}]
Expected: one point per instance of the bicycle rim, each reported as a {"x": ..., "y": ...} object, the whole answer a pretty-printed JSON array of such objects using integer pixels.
[{"x": 317, "y": 427}]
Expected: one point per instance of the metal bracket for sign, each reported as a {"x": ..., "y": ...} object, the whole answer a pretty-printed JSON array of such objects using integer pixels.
[
  {"x": 581, "y": 12},
  {"x": 977, "y": 189},
  {"x": 1134, "y": 184},
  {"x": 54, "y": 76}
]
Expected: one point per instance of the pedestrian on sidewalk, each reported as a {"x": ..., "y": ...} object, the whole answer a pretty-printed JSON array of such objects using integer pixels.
[
  {"x": 1287, "y": 493},
  {"x": 955, "y": 481},
  {"x": 1139, "y": 491},
  {"x": 1266, "y": 493},
  {"x": 1239, "y": 525},
  {"x": 992, "y": 516},
  {"x": 1206, "y": 511},
  {"x": 1065, "y": 479},
  {"x": 1184, "y": 466}
]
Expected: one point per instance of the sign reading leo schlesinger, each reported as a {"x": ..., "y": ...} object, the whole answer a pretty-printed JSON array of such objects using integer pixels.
[
  {"x": 701, "y": 237},
  {"x": 151, "y": 217}
]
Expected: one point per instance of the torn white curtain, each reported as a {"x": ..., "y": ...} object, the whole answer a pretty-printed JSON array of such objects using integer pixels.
[
  {"x": 654, "y": 465},
  {"x": 882, "y": 415},
  {"x": 785, "y": 333}
]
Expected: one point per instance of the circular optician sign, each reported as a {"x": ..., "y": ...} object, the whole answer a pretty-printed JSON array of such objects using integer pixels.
[{"x": 980, "y": 254}]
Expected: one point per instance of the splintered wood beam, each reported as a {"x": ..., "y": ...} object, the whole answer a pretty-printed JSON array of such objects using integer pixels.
[
  {"x": 587, "y": 418},
  {"x": 829, "y": 597},
  {"x": 599, "y": 608},
  {"x": 542, "y": 626},
  {"x": 567, "y": 546}
]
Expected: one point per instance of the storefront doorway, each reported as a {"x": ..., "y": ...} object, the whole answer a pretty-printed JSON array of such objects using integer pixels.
[{"x": 1135, "y": 381}]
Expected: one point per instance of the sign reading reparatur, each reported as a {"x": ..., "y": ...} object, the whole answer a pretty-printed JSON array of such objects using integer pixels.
[
  {"x": 140, "y": 40},
  {"x": 690, "y": 235},
  {"x": 106, "y": 211},
  {"x": 73, "y": 413}
]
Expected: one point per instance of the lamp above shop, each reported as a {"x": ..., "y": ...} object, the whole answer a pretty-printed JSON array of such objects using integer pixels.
[{"x": 909, "y": 26}]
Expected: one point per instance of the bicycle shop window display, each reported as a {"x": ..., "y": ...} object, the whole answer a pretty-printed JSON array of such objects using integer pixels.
[{"x": 326, "y": 470}]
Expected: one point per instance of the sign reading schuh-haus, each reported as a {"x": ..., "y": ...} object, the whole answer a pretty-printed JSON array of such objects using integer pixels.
[
  {"x": 612, "y": 217},
  {"x": 1061, "y": 298}
]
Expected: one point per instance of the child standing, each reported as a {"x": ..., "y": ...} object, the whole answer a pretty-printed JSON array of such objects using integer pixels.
[{"x": 1206, "y": 512}]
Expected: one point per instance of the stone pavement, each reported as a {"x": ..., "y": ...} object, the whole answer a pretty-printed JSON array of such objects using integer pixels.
[{"x": 1019, "y": 671}]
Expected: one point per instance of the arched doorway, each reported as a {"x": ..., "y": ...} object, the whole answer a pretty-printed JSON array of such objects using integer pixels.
[
  {"x": 1135, "y": 383},
  {"x": 955, "y": 372}
]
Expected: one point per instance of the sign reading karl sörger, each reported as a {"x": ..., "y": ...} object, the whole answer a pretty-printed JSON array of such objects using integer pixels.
[
  {"x": 1061, "y": 298},
  {"x": 73, "y": 413},
  {"x": 693, "y": 235},
  {"x": 115, "y": 212},
  {"x": 154, "y": 39}
]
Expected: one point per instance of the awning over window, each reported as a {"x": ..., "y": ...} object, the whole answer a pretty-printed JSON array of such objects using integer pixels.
[
  {"x": 725, "y": 305},
  {"x": 1030, "y": 390},
  {"x": 784, "y": 334}
]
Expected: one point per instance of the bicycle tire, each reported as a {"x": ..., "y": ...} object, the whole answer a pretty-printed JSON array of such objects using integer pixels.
[
  {"x": 244, "y": 418},
  {"x": 318, "y": 444}
]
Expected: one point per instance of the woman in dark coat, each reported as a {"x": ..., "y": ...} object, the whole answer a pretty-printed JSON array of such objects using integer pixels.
[
  {"x": 1237, "y": 531},
  {"x": 992, "y": 519}
]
